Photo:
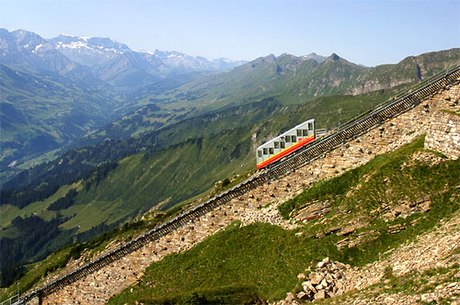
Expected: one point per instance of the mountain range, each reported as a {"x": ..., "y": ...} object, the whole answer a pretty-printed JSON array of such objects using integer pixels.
[{"x": 101, "y": 59}]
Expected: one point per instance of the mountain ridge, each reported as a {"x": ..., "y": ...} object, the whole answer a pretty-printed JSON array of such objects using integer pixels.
[{"x": 90, "y": 51}]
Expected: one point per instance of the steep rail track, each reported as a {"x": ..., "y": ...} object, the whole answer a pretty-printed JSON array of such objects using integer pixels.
[{"x": 317, "y": 149}]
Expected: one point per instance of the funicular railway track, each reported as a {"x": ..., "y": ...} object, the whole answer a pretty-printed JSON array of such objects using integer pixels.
[
  {"x": 317, "y": 149},
  {"x": 361, "y": 125}
]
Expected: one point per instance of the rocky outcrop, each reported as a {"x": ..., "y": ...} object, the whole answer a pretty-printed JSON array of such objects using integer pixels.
[{"x": 325, "y": 282}]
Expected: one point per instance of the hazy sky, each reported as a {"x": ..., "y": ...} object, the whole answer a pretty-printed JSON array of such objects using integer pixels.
[{"x": 367, "y": 32}]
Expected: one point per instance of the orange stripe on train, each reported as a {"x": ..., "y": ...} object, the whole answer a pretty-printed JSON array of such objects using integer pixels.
[{"x": 285, "y": 152}]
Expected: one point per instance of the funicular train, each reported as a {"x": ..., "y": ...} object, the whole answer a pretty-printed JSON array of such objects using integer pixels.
[{"x": 285, "y": 143}]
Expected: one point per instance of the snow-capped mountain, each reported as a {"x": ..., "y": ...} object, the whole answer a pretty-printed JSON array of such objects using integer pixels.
[
  {"x": 88, "y": 51},
  {"x": 177, "y": 59},
  {"x": 28, "y": 51},
  {"x": 102, "y": 59}
]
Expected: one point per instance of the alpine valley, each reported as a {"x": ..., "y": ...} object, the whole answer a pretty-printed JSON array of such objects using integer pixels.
[
  {"x": 94, "y": 134},
  {"x": 56, "y": 90}
]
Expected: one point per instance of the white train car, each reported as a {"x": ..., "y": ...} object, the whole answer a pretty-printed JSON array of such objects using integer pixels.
[{"x": 285, "y": 143}]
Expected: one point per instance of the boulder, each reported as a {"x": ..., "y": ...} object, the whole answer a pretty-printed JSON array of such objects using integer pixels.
[
  {"x": 320, "y": 295},
  {"x": 307, "y": 287},
  {"x": 315, "y": 278}
]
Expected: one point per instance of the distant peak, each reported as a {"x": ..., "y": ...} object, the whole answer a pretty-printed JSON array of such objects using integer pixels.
[
  {"x": 68, "y": 36},
  {"x": 334, "y": 57},
  {"x": 314, "y": 56}
]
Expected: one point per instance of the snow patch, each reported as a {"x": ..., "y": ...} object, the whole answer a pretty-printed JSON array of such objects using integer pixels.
[{"x": 74, "y": 45}]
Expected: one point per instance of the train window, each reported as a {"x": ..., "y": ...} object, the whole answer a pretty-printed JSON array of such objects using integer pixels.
[
  {"x": 294, "y": 139},
  {"x": 282, "y": 145},
  {"x": 265, "y": 151},
  {"x": 310, "y": 126},
  {"x": 259, "y": 153},
  {"x": 271, "y": 150},
  {"x": 287, "y": 138},
  {"x": 299, "y": 132},
  {"x": 276, "y": 144},
  {"x": 304, "y": 132}
]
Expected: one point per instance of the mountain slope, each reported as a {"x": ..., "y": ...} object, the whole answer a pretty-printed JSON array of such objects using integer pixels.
[
  {"x": 40, "y": 113},
  {"x": 287, "y": 78},
  {"x": 393, "y": 218},
  {"x": 117, "y": 180},
  {"x": 228, "y": 263}
]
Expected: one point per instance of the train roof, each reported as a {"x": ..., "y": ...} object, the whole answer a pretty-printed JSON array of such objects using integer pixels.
[{"x": 286, "y": 132}]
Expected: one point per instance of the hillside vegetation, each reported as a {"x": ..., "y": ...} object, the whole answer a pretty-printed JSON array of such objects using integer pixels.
[
  {"x": 227, "y": 268},
  {"x": 96, "y": 187}
]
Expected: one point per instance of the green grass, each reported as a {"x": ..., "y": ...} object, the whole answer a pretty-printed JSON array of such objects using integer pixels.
[
  {"x": 263, "y": 257},
  {"x": 9, "y": 212},
  {"x": 36, "y": 271}
]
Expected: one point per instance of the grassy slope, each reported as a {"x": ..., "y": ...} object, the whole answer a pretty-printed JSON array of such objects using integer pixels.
[
  {"x": 266, "y": 259},
  {"x": 192, "y": 165},
  {"x": 141, "y": 181}
]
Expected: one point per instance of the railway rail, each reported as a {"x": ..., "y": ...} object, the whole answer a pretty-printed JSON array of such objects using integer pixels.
[{"x": 309, "y": 153}]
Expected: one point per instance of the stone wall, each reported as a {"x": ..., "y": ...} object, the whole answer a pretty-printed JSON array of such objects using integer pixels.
[
  {"x": 436, "y": 117},
  {"x": 445, "y": 134}
]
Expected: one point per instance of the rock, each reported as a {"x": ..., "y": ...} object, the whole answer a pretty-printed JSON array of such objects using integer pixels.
[
  {"x": 326, "y": 281},
  {"x": 330, "y": 278},
  {"x": 323, "y": 263},
  {"x": 301, "y": 276},
  {"x": 290, "y": 296},
  {"x": 339, "y": 285},
  {"x": 303, "y": 296},
  {"x": 320, "y": 295},
  {"x": 315, "y": 278},
  {"x": 308, "y": 287},
  {"x": 346, "y": 231},
  {"x": 395, "y": 228},
  {"x": 323, "y": 284}
]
